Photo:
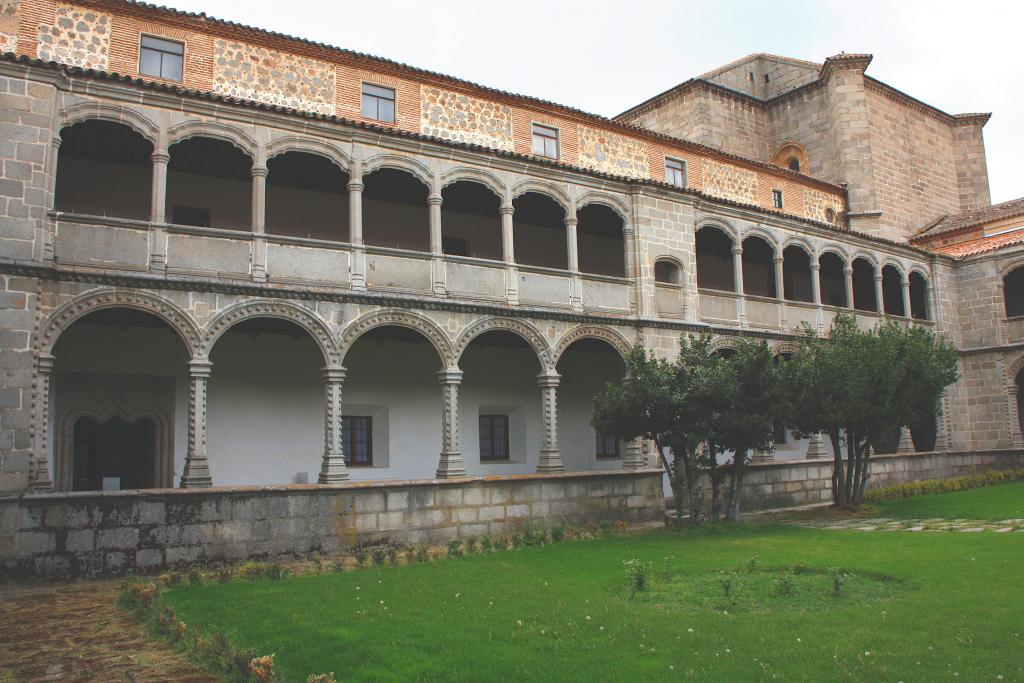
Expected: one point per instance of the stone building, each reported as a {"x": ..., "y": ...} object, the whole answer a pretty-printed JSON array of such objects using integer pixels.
[{"x": 235, "y": 258}]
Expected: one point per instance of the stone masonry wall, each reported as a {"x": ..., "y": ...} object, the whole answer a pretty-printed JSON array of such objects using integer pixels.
[
  {"x": 453, "y": 116},
  {"x": 278, "y": 78},
  {"x": 817, "y": 203},
  {"x": 90, "y": 534},
  {"x": 730, "y": 182},
  {"x": 9, "y": 25},
  {"x": 78, "y": 37},
  {"x": 611, "y": 153}
]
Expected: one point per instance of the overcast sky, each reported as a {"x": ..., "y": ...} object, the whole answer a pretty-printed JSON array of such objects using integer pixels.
[{"x": 603, "y": 56}]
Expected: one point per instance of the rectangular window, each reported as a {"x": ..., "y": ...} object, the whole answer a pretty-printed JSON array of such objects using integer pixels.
[
  {"x": 162, "y": 58},
  {"x": 545, "y": 141},
  {"x": 777, "y": 199},
  {"x": 675, "y": 172},
  {"x": 379, "y": 103},
  {"x": 357, "y": 440},
  {"x": 607, "y": 446},
  {"x": 493, "y": 437}
]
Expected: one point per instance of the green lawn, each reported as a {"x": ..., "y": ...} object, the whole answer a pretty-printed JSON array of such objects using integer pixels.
[
  {"x": 561, "y": 612},
  {"x": 995, "y": 503}
]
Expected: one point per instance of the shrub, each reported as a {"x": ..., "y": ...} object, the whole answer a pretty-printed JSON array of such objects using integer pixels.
[
  {"x": 534, "y": 535},
  {"x": 470, "y": 545},
  {"x": 637, "y": 574},
  {"x": 362, "y": 555},
  {"x": 422, "y": 552},
  {"x": 262, "y": 668},
  {"x": 393, "y": 554},
  {"x": 486, "y": 544},
  {"x": 380, "y": 555},
  {"x": 558, "y": 533},
  {"x": 518, "y": 540},
  {"x": 929, "y": 486},
  {"x": 454, "y": 548}
]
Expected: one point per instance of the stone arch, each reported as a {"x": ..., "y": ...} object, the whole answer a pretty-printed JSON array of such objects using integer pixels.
[
  {"x": 217, "y": 131},
  {"x": 838, "y": 251},
  {"x": 520, "y": 328},
  {"x": 789, "y": 151},
  {"x": 64, "y": 316},
  {"x": 869, "y": 257},
  {"x": 675, "y": 263},
  {"x": 474, "y": 175},
  {"x": 726, "y": 227},
  {"x": 614, "y": 338},
  {"x": 547, "y": 189},
  {"x": 1013, "y": 369},
  {"x": 63, "y": 463},
  {"x": 398, "y": 318},
  {"x": 295, "y": 143},
  {"x": 270, "y": 308},
  {"x": 802, "y": 243},
  {"x": 766, "y": 235},
  {"x": 604, "y": 199},
  {"x": 399, "y": 163},
  {"x": 1010, "y": 266},
  {"x": 722, "y": 342},
  {"x": 920, "y": 270},
  {"x": 895, "y": 264},
  {"x": 89, "y": 111},
  {"x": 782, "y": 347}
]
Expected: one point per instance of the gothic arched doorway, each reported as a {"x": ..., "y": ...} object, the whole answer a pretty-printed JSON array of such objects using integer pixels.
[{"x": 114, "y": 454}]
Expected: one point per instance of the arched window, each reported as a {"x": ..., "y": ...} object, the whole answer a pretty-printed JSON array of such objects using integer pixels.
[
  {"x": 793, "y": 156},
  {"x": 471, "y": 220},
  {"x": 758, "y": 267},
  {"x": 864, "y": 285},
  {"x": 395, "y": 212},
  {"x": 209, "y": 184},
  {"x": 1013, "y": 292},
  {"x": 104, "y": 169},
  {"x": 830, "y": 216},
  {"x": 539, "y": 223},
  {"x": 796, "y": 274},
  {"x": 306, "y": 197},
  {"x": 832, "y": 280},
  {"x": 600, "y": 243},
  {"x": 892, "y": 291},
  {"x": 918, "y": 296},
  {"x": 667, "y": 272},
  {"x": 714, "y": 260}
]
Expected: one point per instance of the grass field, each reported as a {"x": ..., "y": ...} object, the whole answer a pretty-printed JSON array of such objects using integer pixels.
[
  {"x": 995, "y": 503},
  {"x": 913, "y": 607}
]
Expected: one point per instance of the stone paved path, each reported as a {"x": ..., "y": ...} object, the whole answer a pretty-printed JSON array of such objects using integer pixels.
[
  {"x": 886, "y": 524},
  {"x": 75, "y": 632}
]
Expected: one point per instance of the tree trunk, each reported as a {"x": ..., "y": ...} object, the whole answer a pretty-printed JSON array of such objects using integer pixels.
[
  {"x": 673, "y": 479},
  {"x": 715, "y": 473},
  {"x": 863, "y": 457},
  {"x": 838, "y": 493},
  {"x": 693, "y": 487},
  {"x": 733, "y": 508},
  {"x": 851, "y": 466}
]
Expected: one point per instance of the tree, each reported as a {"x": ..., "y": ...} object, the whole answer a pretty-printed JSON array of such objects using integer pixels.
[
  {"x": 670, "y": 403},
  {"x": 857, "y": 386},
  {"x": 746, "y": 416}
]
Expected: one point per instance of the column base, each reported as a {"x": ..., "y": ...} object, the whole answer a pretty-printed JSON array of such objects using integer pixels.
[
  {"x": 550, "y": 461},
  {"x": 634, "y": 459},
  {"x": 759, "y": 456},
  {"x": 906, "y": 442},
  {"x": 197, "y": 473},
  {"x": 816, "y": 448},
  {"x": 451, "y": 466},
  {"x": 333, "y": 470}
]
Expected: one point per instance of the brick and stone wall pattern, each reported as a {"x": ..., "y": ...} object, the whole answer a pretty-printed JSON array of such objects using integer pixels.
[
  {"x": 455, "y": 116},
  {"x": 608, "y": 152},
  {"x": 817, "y": 203},
  {"x": 730, "y": 182},
  {"x": 17, "y": 322},
  {"x": 278, "y": 78},
  {"x": 9, "y": 25},
  {"x": 78, "y": 36}
]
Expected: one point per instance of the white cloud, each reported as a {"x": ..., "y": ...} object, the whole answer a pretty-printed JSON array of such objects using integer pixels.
[{"x": 604, "y": 56}]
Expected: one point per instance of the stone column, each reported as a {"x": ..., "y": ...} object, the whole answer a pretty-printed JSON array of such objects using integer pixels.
[
  {"x": 575, "y": 284},
  {"x": 634, "y": 459},
  {"x": 259, "y": 222},
  {"x": 39, "y": 475},
  {"x": 550, "y": 459},
  {"x": 1012, "y": 409},
  {"x": 158, "y": 212},
  {"x": 508, "y": 254},
  {"x": 737, "y": 278},
  {"x": 780, "y": 291},
  {"x": 848, "y": 281},
  {"x": 879, "y": 295},
  {"x": 451, "y": 464},
  {"x": 355, "y": 226},
  {"x": 197, "y": 468},
  {"x": 905, "y": 444},
  {"x": 332, "y": 468},
  {"x": 819, "y": 314},
  {"x": 46, "y": 229},
  {"x": 905, "y": 286},
  {"x": 815, "y": 447},
  {"x": 437, "y": 270}
]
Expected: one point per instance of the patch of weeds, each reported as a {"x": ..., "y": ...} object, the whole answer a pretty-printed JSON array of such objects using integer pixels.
[
  {"x": 338, "y": 565},
  {"x": 669, "y": 571},
  {"x": 784, "y": 584},
  {"x": 454, "y": 548},
  {"x": 362, "y": 556},
  {"x": 558, "y": 533},
  {"x": 486, "y": 544},
  {"x": 321, "y": 678},
  {"x": 801, "y": 567},
  {"x": 470, "y": 546},
  {"x": 534, "y": 535},
  {"x": 422, "y": 553},
  {"x": 637, "y": 574},
  {"x": 379, "y": 555},
  {"x": 392, "y": 551},
  {"x": 752, "y": 563},
  {"x": 318, "y": 565}
]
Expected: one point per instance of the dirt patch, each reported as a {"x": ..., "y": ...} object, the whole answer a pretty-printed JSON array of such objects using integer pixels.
[{"x": 75, "y": 632}]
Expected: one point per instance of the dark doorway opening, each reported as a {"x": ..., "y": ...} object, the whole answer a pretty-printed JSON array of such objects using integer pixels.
[{"x": 114, "y": 454}]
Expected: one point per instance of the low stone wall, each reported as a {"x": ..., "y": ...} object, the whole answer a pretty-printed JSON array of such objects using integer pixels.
[
  {"x": 106, "y": 534},
  {"x": 807, "y": 482}
]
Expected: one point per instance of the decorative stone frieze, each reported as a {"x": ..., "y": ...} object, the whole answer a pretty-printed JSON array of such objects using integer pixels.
[
  {"x": 817, "y": 204},
  {"x": 729, "y": 182},
  {"x": 77, "y": 37},
  {"x": 609, "y": 152},
  {"x": 277, "y": 78},
  {"x": 453, "y": 116}
]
